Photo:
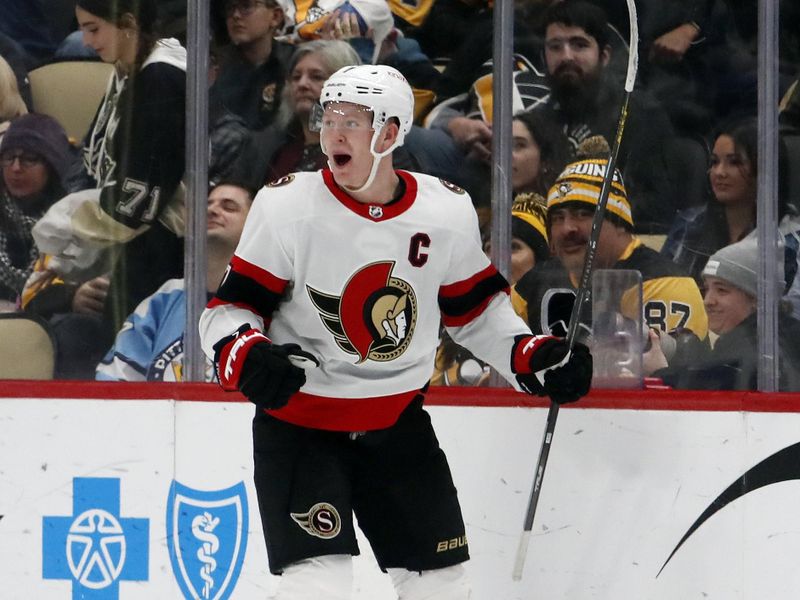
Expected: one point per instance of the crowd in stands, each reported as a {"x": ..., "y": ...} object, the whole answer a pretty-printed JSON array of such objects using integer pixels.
[{"x": 92, "y": 230}]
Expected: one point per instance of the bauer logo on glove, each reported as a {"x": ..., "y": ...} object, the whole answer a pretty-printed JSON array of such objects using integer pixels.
[{"x": 268, "y": 374}]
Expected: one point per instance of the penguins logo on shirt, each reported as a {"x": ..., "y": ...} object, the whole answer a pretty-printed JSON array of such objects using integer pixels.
[
  {"x": 556, "y": 312},
  {"x": 375, "y": 315}
]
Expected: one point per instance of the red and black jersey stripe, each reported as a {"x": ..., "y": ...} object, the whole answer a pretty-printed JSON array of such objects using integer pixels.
[
  {"x": 251, "y": 287},
  {"x": 463, "y": 301}
]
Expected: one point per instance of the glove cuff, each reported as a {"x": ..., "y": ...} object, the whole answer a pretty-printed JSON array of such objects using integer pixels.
[
  {"x": 232, "y": 354},
  {"x": 525, "y": 347}
]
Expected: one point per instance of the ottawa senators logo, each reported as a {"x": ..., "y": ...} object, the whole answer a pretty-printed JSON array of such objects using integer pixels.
[
  {"x": 375, "y": 316},
  {"x": 322, "y": 521}
]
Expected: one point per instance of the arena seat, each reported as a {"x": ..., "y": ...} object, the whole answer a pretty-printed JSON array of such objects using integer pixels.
[
  {"x": 27, "y": 348},
  {"x": 70, "y": 92}
]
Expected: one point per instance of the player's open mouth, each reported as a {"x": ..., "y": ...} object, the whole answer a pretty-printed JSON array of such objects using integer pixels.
[{"x": 341, "y": 159}]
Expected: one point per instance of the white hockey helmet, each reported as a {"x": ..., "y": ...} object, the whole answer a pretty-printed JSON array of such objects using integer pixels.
[{"x": 380, "y": 88}]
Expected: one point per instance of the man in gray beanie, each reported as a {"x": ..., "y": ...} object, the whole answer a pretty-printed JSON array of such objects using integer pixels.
[
  {"x": 731, "y": 287},
  {"x": 738, "y": 264}
]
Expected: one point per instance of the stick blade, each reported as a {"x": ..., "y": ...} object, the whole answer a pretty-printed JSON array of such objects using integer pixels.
[{"x": 522, "y": 553}]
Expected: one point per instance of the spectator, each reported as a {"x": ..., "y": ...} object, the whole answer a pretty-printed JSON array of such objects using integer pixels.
[
  {"x": 466, "y": 115},
  {"x": 528, "y": 235},
  {"x": 74, "y": 308},
  {"x": 737, "y": 81},
  {"x": 730, "y": 214},
  {"x": 368, "y": 26},
  {"x": 150, "y": 345},
  {"x": 34, "y": 155},
  {"x": 37, "y": 26},
  {"x": 678, "y": 46},
  {"x": 731, "y": 282},
  {"x": 228, "y": 132},
  {"x": 539, "y": 153},
  {"x": 544, "y": 296},
  {"x": 19, "y": 63},
  {"x": 443, "y": 26},
  {"x": 11, "y": 103},
  {"x": 585, "y": 101},
  {"x": 251, "y": 78},
  {"x": 471, "y": 58},
  {"x": 289, "y": 144},
  {"x": 130, "y": 207}
]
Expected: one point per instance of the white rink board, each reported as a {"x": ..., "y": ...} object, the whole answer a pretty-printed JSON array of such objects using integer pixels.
[{"x": 621, "y": 489}]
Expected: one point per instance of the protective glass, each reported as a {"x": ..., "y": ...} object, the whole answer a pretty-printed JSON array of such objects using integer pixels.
[{"x": 340, "y": 116}]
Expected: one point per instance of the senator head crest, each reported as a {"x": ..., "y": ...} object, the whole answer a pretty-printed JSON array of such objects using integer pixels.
[{"x": 375, "y": 315}]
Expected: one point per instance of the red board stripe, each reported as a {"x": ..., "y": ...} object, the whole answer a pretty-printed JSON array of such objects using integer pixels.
[{"x": 673, "y": 400}]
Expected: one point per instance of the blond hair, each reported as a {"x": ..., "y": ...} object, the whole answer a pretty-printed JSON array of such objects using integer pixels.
[{"x": 11, "y": 103}]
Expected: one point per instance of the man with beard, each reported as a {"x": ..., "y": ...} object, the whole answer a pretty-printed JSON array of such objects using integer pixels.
[
  {"x": 544, "y": 295},
  {"x": 585, "y": 99}
]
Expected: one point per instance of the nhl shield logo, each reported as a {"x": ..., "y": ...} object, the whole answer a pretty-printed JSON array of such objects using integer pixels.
[{"x": 207, "y": 539}]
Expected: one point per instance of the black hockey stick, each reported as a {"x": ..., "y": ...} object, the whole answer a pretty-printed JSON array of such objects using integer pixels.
[{"x": 583, "y": 292}]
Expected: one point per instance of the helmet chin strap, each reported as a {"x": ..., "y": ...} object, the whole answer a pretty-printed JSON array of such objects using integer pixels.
[{"x": 376, "y": 156}]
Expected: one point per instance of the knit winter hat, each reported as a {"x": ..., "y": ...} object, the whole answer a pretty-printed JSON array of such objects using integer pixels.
[
  {"x": 527, "y": 223},
  {"x": 581, "y": 181},
  {"x": 738, "y": 265},
  {"x": 40, "y": 135}
]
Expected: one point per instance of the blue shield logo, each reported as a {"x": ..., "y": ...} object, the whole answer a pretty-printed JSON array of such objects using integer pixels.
[{"x": 207, "y": 539}]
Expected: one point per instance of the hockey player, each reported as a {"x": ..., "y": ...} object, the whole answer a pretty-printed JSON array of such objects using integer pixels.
[{"x": 348, "y": 271}]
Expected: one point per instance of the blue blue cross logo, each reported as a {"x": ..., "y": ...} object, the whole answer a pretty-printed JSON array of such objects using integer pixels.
[{"x": 95, "y": 548}]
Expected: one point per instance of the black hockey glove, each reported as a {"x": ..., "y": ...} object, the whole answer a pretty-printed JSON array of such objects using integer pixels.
[
  {"x": 262, "y": 371},
  {"x": 537, "y": 356}
]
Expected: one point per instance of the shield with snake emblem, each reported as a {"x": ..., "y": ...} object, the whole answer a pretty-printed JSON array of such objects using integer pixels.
[{"x": 207, "y": 539}]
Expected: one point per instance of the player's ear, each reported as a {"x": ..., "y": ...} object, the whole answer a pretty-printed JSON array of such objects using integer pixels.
[{"x": 389, "y": 135}]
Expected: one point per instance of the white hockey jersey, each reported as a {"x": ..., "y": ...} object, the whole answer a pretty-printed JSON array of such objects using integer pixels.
[{"x": 363, "y": 287}]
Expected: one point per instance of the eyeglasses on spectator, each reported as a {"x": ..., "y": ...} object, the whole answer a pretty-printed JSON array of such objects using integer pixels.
[
  {"x": 26, "y": 161},
  {"x": 245, "y": 7}
]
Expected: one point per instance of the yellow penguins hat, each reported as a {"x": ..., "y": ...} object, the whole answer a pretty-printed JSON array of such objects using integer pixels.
[
  {"x": 582, "y": 180},
  {"x": 528, "y": 223}
]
